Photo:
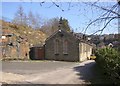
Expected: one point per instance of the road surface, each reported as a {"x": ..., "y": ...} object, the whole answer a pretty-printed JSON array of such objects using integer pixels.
[{"x": 50, "y": 72}]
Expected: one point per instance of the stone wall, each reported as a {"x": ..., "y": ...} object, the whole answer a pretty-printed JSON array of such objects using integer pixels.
[
  {"x": 72, "y": 47},
  {"x": 85, "y": 51},
  {"x": 16, "y": 52}
]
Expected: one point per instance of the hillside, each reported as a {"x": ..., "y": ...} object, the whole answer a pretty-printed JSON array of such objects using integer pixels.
[{"x": 33, "y": 37}]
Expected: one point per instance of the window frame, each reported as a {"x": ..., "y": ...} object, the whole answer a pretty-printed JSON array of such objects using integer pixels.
[
  {"x": 65, "y": 47},
  {"x": 56, "y": 47}
]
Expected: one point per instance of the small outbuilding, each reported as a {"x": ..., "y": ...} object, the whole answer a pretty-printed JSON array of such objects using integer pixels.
[
  {"x": 64, "y": 46},
  {"x": 37, "y": 53}
]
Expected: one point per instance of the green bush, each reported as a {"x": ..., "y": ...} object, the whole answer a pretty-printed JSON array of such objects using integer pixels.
[{"x": 109, "y": 60}]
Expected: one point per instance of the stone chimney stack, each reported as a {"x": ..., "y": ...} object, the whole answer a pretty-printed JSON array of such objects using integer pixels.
[{"x": 60, "y": 23}]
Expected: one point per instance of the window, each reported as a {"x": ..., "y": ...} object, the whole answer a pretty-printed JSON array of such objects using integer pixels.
[
  {"x": 56, "y": 46},
  {"x": 65, "y": 47}
]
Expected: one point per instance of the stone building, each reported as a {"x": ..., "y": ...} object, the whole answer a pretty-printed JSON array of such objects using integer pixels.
[{"x": 64, "y": 46}]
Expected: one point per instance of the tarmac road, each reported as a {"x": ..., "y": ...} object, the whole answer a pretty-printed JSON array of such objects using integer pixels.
[
  {"x": 51, "y": 72},
  {"x": 26, "y": 67}
]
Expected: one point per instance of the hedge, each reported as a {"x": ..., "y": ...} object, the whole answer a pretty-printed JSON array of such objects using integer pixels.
[{"x": 109, "y": 60}]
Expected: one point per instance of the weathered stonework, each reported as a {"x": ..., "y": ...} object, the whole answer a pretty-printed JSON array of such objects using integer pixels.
[{"x": 76, "y": 50}]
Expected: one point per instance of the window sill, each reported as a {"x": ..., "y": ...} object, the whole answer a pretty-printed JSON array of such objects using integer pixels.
[
  {"x": 56, "y": 54},
  {"x": 65, "y": 53}
]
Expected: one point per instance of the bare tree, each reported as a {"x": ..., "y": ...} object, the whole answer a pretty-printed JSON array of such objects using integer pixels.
[
  {"x": 39, "y": 21},
  {"x": 34, "y": 20},
  {"x": 53, "y": 25},
  {"x": 50, "y": 26},
  {"x": 20, "y": 17},
  {"x": 31, "y": 19},
  {"x": 109, "y": 14}
]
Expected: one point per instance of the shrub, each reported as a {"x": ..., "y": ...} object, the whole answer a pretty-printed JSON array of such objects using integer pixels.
[{"x": 109, "y": 60}]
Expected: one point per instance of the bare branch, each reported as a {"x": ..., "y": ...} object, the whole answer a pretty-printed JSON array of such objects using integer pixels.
[
  {"x": 50, "y": 6},
  {"x": 42, "y": 3},
  {"x": 112, "y": 8},
  {"x": 57, "y": 5},
  {"x": 118, "y": 2},
  {"x": 109, "y": 10},
  {"x": 101, "y": 30},
  {"x": 97, "y": 20}
]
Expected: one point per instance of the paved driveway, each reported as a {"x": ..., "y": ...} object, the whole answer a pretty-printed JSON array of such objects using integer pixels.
[
  {"x": 34, "y": 66},
  {"x": 50, "y": 72}
]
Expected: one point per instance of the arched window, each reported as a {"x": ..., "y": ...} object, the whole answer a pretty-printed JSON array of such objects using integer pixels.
[
  {"x": 65, "y": 47},
  {"x": 56, "y": 46}
]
